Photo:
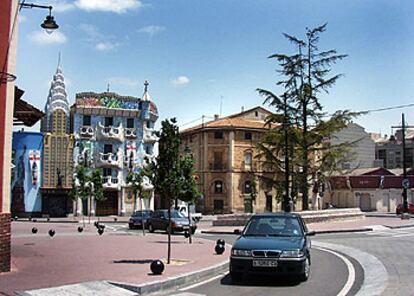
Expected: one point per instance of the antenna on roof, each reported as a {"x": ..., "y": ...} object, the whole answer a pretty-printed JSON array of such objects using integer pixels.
[
  {"x": 59, "y": 57},
  {"x": 107, "y": 87}
]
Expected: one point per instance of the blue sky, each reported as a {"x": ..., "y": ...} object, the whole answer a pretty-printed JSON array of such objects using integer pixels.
[{"x": 197, "y": 53}]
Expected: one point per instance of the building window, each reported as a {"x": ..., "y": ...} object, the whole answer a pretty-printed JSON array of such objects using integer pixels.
[
  {"x": 218, "y": 160},
  {"x": 130, "y": 123},
  {"x": 256, "y": 114},
  {"x": 148, "y": 124},
  {"x": 218, "y": 135},
  {"x": 109, "y": 121},
  {"x": 148, "y": 150},
  {"x": 218, "y": 186},
  {"x": 247, "y": 188},
  {"x": 107, "y": 172},
  {"x": 107, "y": 148},
  {"x": 218, "y": 205},
  {"x": 247, "y": 136},
  {"x": 248, "y": 159},
  {"x": 86, "y": 120}
]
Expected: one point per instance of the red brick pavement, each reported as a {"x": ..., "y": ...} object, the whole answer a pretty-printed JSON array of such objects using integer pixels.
[{"x": 39, "y": 261}]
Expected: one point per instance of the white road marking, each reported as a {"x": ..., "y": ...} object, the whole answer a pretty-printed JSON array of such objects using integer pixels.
[
  {"x": 375, "y": 273},
  {"x": 351, "y": 271},
  {"x": 203, "y": 282}
]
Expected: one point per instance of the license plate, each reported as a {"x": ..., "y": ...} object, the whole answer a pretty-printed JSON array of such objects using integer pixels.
[{"x": 264, "y": 263}]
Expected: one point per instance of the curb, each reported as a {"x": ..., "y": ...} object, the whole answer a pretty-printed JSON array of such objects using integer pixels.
[
  {"x": 399, "y": 226},
  {"x": 174, "y": 282},
  {"x": 316, "y": 232}
]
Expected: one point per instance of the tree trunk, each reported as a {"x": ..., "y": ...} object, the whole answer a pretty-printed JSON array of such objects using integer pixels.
[
  {"x": 189, "y": 224},
  {"x": 142, "y": 217}
]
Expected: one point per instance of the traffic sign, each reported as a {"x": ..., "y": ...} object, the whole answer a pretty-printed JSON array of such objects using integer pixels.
[{"x": 406, "y": 183}]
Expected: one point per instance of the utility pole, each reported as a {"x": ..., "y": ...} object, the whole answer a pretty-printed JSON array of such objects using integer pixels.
[{"x": 405, "y": 182}]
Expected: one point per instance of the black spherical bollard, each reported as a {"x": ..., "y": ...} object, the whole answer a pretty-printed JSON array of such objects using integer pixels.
[
  {"x": 15, "y": 218},
  {"x": 115, "y": 219},
  {"x": 80, "y": 229},
  {"x": 96, "y": 224},
  {"x": 100, "y": 231},
  {"x": 220, "y": 241},
  {"x": 48, "y": 219},
  {"x": 157, "y": 267},
  {"x": 34, "y": 230},
  {"x": 186, "y": 234},
  {"x": 34, "y": 220},
  {"x": 51, "y": 232},
  {"x": 219, "y": 249}
]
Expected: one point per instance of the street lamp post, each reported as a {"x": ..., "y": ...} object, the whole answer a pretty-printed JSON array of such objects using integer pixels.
[
  {"x": 49, "y": 24},
  {"x": 405, "y": 182}
]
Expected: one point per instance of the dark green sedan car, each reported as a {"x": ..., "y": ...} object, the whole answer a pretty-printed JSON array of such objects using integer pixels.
[{"x": 275, "y": 244}]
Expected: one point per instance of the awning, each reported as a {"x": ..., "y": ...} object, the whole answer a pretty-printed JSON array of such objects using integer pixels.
[{"x": 24, "y": 113}]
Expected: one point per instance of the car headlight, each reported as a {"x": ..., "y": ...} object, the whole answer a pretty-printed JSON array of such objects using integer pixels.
[
  {"x": 292, "y": 254},
  {"x": 241, "y": 253}
]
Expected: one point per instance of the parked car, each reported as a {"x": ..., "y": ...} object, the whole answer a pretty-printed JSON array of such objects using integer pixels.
[
  {"x": 272, "y": 244},
  {"x": 135, "y": 221},
  {"x": 179, "y": 222},
  {"x": 400, "y": 209}
]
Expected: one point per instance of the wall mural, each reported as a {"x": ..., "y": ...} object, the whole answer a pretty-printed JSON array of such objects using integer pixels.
[
  {"x": 34, "y": 159},
  {"x": 109, "y": 102}
]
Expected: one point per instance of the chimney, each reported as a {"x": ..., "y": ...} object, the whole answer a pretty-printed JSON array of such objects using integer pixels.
[
  {"x": 216, "y": 116},
  {"x": 242, "y": 108}
]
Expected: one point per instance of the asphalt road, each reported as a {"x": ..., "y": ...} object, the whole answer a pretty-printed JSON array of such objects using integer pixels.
[{"x": 328, "y": 276}]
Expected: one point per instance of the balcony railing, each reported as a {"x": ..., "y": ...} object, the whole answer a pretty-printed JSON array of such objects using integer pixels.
[
  {"x": 216, "y": 166},
  {"x": 109, "y": 133},
  {"x": 110, "y": 182},
  {"x": 149, "y": 136},
  {"x": 130, "y": 133},
  {"x": 107, "y": 160},
  {"x": 86, "y": 131}
]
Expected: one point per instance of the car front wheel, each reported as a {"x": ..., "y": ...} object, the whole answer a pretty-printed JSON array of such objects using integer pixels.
[
  {"x": 306, "y": 271},
  {"x": 131, "y": 226}
]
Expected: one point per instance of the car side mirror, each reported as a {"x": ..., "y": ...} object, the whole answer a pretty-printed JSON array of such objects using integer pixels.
[
  {"x": 310, "y": 233},
  {"x": 237, "y": 231}
]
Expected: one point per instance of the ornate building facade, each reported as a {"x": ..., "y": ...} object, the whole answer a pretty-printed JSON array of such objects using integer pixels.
[
  {"x": 57, "y": 150},
  {"x": 113, "y": 133},
  {"x": 227, "y": 165}
]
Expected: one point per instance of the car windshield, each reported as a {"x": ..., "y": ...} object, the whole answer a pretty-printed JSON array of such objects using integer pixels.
[
  {"x": 177, "y": 214},
  {"x": 273, "y": 226},
  {"x": 146, "y": 214}
]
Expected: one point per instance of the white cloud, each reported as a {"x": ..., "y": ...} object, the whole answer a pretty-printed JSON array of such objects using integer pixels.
[
  {"x": 61, "y": 5},
  {"x": 98, "y": 40},
  {"x": 180, "y": 81},
  {"x": 105, "y": 46},
  {"x": 123, "y": 81},
  {"x": 41, "y": 37},
  {"x": 152, "y": 30},
  {"x": 118, "y": 6}
]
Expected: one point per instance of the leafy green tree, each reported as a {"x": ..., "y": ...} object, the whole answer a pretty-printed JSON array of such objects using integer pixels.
[
  {"x": 87, "y": 183},
  {"x": 305, "y": 77},
  {"x": 164, "y": 172},
  {"x": 188, "y": 186}
]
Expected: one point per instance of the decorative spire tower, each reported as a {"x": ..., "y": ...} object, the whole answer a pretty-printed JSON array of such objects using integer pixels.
[{"x": 57, "y": 108}]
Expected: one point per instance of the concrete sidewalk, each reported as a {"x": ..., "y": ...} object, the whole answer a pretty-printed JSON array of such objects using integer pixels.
[{"x": 39, "y": 261}]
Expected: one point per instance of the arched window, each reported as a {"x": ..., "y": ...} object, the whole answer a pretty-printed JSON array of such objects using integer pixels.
[
  {"x": 248, "y": 159},
  {"x": 218, "y": 186},
  {"x": 247, "y": 187}
]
